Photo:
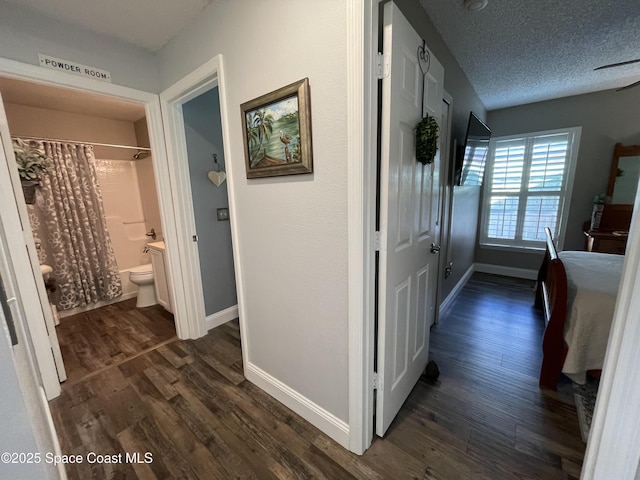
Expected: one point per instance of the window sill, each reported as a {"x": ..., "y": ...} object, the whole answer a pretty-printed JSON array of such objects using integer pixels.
[{"x": 513, "y": 248}]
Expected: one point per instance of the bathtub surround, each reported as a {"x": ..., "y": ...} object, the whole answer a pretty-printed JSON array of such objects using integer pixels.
[
  {"x": 147, "y": 181},
  {"x": 124, "y": 210},
  {"x": 69, "y": 225}
]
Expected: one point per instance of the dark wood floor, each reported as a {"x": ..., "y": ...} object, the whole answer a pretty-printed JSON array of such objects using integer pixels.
[
  {"x": 107, "y": 336},
  {"x": 188, "y": 405}
]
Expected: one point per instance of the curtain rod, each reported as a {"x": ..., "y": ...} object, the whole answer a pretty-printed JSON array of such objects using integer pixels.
[{"x": 26, "y": 137}]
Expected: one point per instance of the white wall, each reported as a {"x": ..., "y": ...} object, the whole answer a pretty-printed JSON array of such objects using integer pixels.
[
  {"x": 24, "y": 34},
  {"x": 45, "y": 122},
  {"x": 291, "y": 230}
]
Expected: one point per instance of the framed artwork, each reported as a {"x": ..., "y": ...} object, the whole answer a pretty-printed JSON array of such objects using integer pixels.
[{"x": 277, "y": 132}]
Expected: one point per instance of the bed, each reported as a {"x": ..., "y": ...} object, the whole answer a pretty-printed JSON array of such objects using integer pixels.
[{"x": 577, "y": 292}]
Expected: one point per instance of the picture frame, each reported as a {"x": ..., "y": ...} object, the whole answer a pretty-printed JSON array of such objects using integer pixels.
[{"x": 277, "y": 132}]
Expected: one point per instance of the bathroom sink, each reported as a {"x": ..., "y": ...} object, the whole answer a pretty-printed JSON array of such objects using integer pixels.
[{"x": 157, "y": 245}]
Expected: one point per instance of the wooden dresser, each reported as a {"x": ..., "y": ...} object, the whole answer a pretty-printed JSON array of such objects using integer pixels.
[
  {"x": 611, "y": 236},
  {"x": 606, "y": 241}
]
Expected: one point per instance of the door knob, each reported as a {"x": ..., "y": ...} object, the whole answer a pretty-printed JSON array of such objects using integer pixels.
[{"x": 435, "y": 248}]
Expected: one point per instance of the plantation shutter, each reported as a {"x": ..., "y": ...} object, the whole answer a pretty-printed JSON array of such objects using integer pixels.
[
  {"x": 546, "y": 181},
  {"x": 506, "y": 183},
  {"x": 527, "y": 188}
]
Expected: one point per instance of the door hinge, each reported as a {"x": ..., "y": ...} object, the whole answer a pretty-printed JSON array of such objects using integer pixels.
[
  {"x": 383, "y": 66},
  {"x": 194, "y": 238},
  {"x": 376, "y": 380},
  {"x": 379, "y": 241}
]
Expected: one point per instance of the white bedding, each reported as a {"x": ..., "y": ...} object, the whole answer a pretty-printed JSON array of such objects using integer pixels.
[{"x": 592, "y": 287}]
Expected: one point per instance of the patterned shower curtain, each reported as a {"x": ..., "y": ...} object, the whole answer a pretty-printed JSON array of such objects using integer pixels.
[{"x": 70, "y": 229}]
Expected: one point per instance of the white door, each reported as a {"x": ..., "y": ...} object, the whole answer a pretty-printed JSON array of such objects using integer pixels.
[
  {"x": 24, "y": 263},
  {"x": 408, "y": 210}
]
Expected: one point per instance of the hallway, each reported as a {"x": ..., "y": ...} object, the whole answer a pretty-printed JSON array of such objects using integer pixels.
[{"x": 189, "y": 406}]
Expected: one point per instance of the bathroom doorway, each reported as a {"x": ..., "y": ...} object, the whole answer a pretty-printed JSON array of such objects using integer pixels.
[
  {"x": 170, "y": 164},
  {"x": 100, "y": 333},
  {"x": 196, "y": 136},
  {"x": 210, "y": 201}
]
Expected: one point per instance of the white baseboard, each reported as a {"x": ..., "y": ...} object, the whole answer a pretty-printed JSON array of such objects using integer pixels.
[
  {"x": 328, "y": 423},
  {"x": 457, "y": 289},
  {"x": 507, "y": 271},
  {"x": 223, "y": 316}
]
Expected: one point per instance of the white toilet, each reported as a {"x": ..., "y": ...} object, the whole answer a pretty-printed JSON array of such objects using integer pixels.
[{"x": 142, "y": 276}]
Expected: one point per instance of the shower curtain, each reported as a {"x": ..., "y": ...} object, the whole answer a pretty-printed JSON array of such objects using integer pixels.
[{"x": 70, "y": 228}]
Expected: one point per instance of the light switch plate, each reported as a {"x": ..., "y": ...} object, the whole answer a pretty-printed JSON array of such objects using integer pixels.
[{"x": 223, "y": 214}]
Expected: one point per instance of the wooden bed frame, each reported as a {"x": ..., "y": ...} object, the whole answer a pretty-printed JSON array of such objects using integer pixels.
[{"x": 551, "y": 296}]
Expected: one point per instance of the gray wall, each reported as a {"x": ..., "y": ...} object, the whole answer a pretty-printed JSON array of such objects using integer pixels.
[
  {"x": 24, "y": 34},
  {"x": 291, "y": 230},
  {"x": 204, "y": 138},
  {"x": 606, "y": 118},
  {"x": 465, "y": 199}
]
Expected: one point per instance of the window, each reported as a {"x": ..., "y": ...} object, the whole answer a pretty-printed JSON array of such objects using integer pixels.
[{"x": 529, "y": 187}]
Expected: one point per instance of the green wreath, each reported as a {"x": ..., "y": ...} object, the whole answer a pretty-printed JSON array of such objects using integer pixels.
[{"x": 426, "y": 140}]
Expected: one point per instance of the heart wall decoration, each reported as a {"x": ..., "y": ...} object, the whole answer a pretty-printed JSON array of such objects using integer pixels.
[{"x": 217, "y": 178}]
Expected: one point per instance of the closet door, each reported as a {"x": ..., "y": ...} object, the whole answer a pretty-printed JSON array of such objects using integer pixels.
[{"x": 31, "y": 306}]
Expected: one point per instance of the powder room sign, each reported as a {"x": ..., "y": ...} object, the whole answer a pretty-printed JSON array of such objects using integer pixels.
[{"x": 72, "y": 67}]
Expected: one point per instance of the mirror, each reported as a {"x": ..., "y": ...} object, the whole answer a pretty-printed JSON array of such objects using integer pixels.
[{"x": 625, "y": 172}]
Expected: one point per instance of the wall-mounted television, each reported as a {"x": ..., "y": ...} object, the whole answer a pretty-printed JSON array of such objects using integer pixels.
[{"x": 470, "y": 167}]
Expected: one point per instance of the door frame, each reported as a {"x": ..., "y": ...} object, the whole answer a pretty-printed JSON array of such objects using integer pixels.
[
  {"x": 32, "y": 316},
  {"x": 202, "y": 79},
  {"x": 362, "y": 114},
  {"x": 446, "y": 192},
  {"x": 186, "y": 325}
]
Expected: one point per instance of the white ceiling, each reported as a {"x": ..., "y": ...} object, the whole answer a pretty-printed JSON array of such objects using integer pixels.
[
  {"x": 521, "y": 51},
  {"x": 513, "y": 52},
  {"x": 146, "y": 23}
]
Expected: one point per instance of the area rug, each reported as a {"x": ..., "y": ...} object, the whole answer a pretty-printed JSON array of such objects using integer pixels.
[{"x": 585, "y": 396}]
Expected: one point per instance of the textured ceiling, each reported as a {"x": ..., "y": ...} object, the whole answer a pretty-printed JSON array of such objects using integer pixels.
[
  {"x": 521, "y": 51},
  {"x": 513, "y": 52},
  {"x": 146, "y": 23}
]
